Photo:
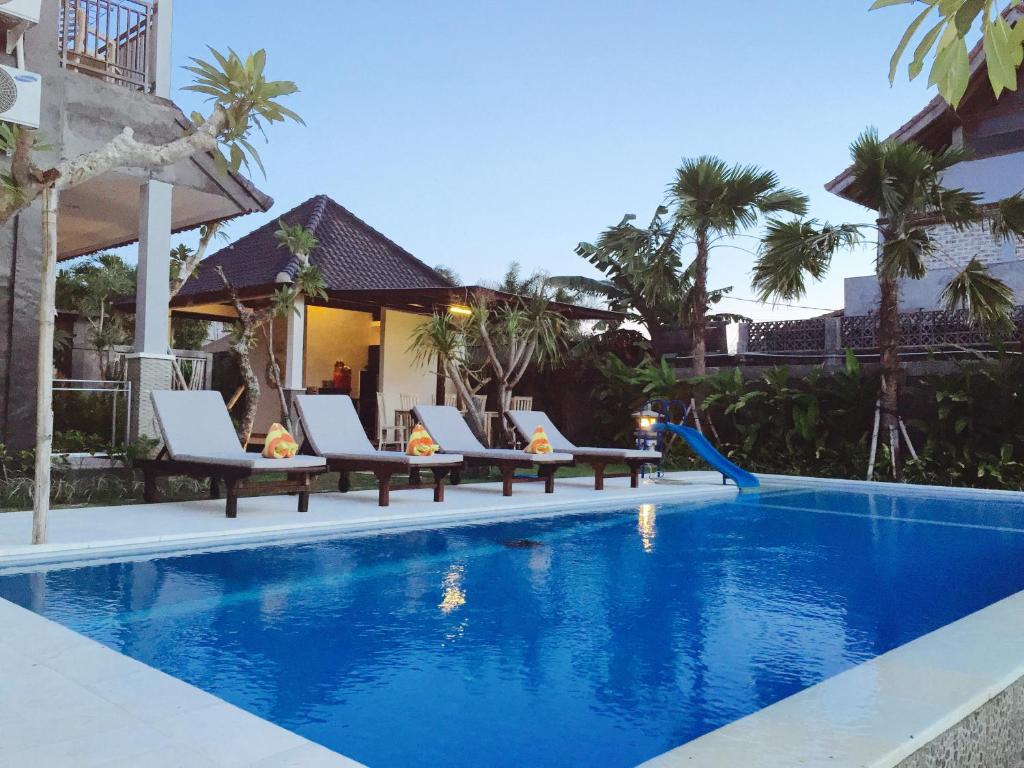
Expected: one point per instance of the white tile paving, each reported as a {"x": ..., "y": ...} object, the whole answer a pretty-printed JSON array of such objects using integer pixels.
[
  {"x": 136, "y": 528},
  {"x": 67, "y": 701}
]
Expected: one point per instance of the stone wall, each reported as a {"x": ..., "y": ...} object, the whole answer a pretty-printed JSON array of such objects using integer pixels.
[
  {"x": 992, "y": 735},
  {"x": 957, "y": 248}
]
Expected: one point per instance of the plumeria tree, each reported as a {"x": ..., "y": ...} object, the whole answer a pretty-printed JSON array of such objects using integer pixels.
[
  {"x": 307, "y": 283},
  {"x": 497, "y": 343},
  {"x": 941, "y": 28},
  {"x": 243, "y": 101},
  {"x": 903, "y": 183}
]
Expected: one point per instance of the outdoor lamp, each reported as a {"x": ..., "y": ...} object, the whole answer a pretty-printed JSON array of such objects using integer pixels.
[
  {"x": 458, "y": 309},
  {"x": 646, "y": 434}
]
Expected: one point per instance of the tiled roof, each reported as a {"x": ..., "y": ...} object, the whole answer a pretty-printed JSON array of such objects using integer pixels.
[{"x": 351, "y": 255}]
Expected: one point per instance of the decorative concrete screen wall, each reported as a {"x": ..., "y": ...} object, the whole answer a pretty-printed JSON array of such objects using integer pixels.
[{"x": 829, "y": 336}]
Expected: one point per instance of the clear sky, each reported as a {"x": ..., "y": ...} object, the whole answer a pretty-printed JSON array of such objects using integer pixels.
[{"x": 475, "y": 133}]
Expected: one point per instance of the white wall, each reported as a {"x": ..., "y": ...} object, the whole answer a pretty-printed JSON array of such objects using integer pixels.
[
  {"x": 994, "y": 178},
  {"x": 862, "y": 295},
  {"x": 332, "y": 335},
  {"x": 398, "y": 373}
]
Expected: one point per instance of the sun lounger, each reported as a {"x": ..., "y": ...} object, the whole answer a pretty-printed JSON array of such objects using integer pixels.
[
  {"x": 333, "y": 431},
  {"x": 525, "y": 422},
  {"x": 449, "y": 430},
  {"x": 200, "y": 442}
]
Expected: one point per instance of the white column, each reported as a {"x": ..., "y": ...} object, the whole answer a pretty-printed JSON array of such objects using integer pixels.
[
  {"x": 161, "y": 58},
  {"x": 295, "y": 347},
  {"x": 153, "y": 292}
]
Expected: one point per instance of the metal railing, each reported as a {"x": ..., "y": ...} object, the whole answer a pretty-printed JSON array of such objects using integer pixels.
[
  {"x": 108, "y": 39},
  {"x": 192, "y": 369},
  {"x": 120, "y": 393}
]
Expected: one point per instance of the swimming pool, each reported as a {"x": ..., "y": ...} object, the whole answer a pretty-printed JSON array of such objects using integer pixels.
[{"x": 602, "y": 638}]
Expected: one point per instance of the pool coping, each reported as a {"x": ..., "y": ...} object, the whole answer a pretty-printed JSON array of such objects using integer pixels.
[
  {"x": 681, "y": 486},
  {"x": 67, "y": 700},
  {"x": 881, "y": 712}
]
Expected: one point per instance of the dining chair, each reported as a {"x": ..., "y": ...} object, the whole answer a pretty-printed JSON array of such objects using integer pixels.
[{"x": 391, "y": 433}]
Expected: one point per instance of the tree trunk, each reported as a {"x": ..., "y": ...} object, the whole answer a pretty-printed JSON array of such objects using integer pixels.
[
  {"x": 275, "y": 377},
  {"x": 252, "y": 385},
  {"x": 476, "y": 423},
  {"x": 699, "y": 321},
  {"x": 44, "y": 372},
  {"x": 888, "y": 347}
]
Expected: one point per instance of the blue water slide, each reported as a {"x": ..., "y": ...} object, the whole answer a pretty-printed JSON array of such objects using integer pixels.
[{"x": 710, "y": 454}]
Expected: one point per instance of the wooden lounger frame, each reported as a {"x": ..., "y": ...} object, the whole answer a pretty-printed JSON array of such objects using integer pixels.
[
  {"x": 600, "y": 462},
  {"x": 234, "y": 478},
  {"x": 508, "y": 467},
  {"x": 385, "y": 470}
]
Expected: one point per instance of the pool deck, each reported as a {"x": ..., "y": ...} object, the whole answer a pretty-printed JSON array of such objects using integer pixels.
[
  {"x": 69, "y": 702},
  {"x": 91, "y": 532}
]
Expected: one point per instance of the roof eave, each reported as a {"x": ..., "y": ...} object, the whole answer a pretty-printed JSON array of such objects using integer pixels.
[{"x": 924, "y": 119}]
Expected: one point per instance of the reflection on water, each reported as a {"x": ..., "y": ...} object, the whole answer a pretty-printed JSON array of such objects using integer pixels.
[
  {"x": 645, "y": 524},
  {"x": 454, "y": 594},
  {"x": 590, "y": 648}
]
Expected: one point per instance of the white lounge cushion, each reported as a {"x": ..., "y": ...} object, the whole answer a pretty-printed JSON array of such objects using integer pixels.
[
  {"x": 257, "y": 462},
  {"x": 502, "y": 454},
  {"x": 526, "y": 422},
  {"x": 196, "y": 427},
  {"x": 450, "y": 430},
  {"x": 333, "y": 429}
]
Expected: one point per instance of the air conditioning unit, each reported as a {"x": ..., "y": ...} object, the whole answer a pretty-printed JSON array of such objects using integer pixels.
[
  {"x": 21, "y": 10},
  {"x": 20, "y": 96}
]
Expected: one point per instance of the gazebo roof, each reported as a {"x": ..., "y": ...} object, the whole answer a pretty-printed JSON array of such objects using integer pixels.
[
  {"x": 363, "y": 270},
  {"x": 350, "y": 254}
]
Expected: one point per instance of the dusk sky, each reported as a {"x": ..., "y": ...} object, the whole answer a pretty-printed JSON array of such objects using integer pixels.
[{"x": 473, "y": 134}]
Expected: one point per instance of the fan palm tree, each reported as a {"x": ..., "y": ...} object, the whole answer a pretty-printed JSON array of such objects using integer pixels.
[
  {"x": 644, "y": 277},
  {"x": 710, "y": 201},
  {"x": 903, "y": 182}
]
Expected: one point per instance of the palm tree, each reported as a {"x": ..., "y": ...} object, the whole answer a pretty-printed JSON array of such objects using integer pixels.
[
  {"x": 903, "y": 182},
  {"x": 644, "y": 277},
  {"x": 710, "y": 201}
]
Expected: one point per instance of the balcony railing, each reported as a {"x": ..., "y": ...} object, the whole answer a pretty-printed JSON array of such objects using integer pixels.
[{"x": 108, "y": 39}]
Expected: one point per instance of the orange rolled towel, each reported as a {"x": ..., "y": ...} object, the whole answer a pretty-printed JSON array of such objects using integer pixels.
[
  {"x": 539, "y": 443},
  {"x": 421, "y": 443},
  {"x": 280, "y": 444}
]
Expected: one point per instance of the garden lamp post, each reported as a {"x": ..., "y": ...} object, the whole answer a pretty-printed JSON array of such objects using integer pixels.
[{"x": 645, "y": 433}]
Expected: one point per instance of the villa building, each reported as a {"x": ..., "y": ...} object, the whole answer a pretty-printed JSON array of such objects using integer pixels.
[
  {"x": 104, "y": 65},
  {"x": 993, "y": 131},
  {"x": 377, "y": 294}
]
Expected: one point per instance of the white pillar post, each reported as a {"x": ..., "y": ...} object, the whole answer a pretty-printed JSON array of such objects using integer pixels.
[
  {"x": 150, "y": 367},
  {"x": 161, "y": 53},
  {"x": 153, "y": 290},
  {"x": 295, "y": 347}
]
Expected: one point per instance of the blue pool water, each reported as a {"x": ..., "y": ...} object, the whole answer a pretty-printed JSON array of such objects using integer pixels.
[{"x": 596, "y": 639}]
